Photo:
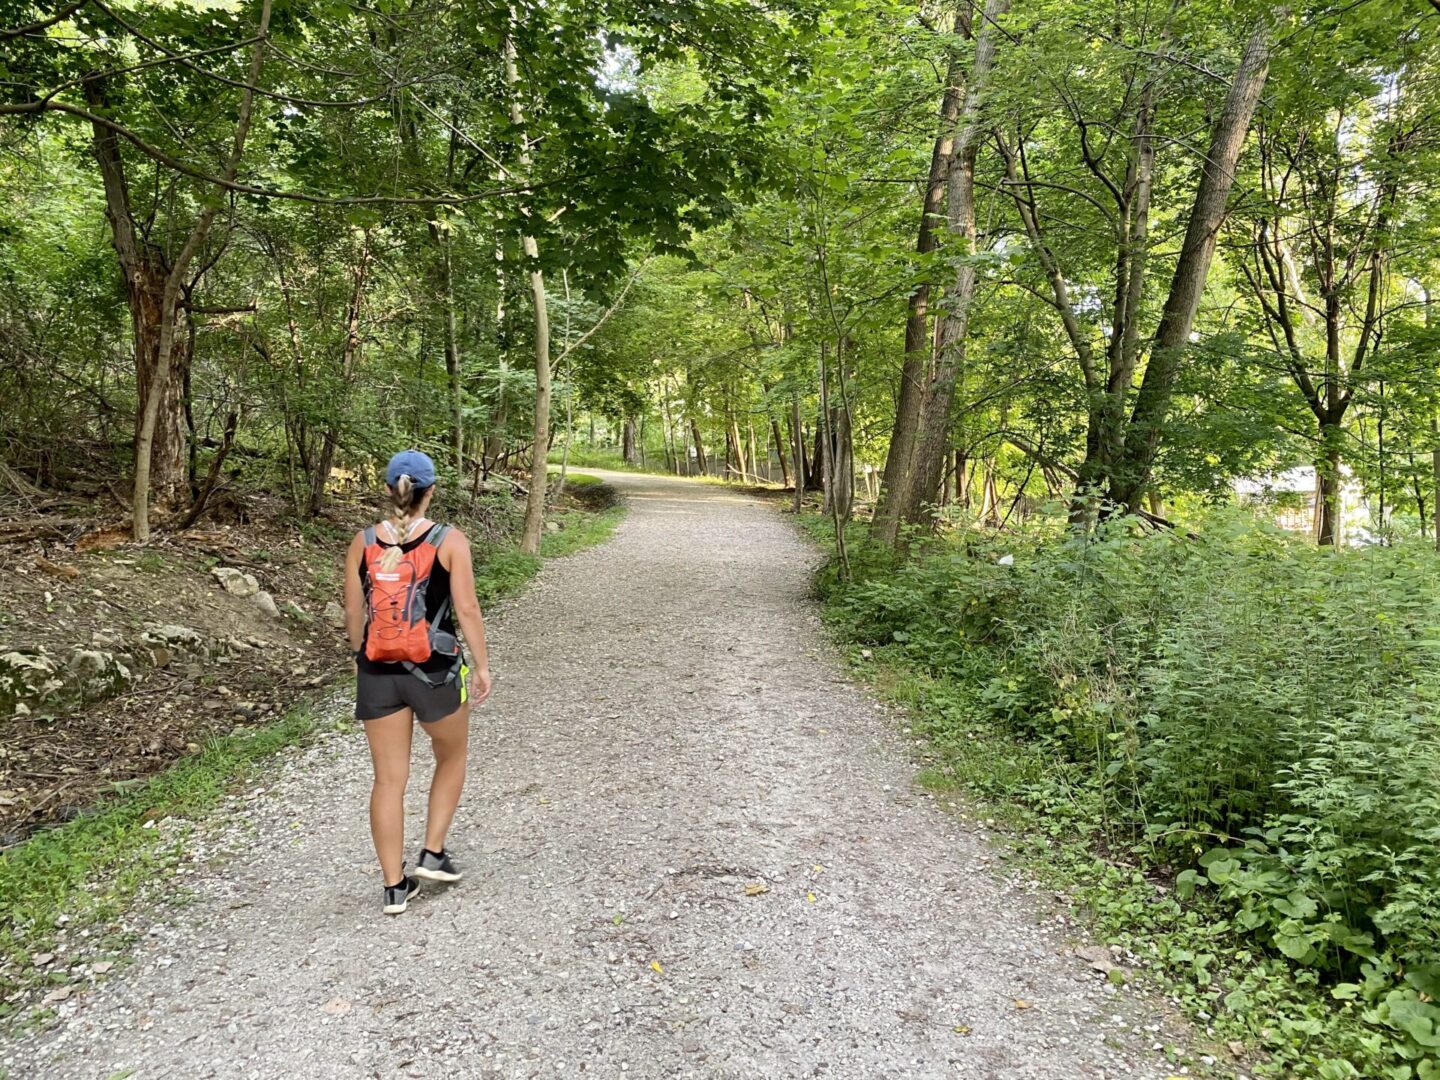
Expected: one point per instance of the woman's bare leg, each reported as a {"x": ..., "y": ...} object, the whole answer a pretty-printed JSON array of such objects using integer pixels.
[
  {"x": 450, "y": 739},
  {"x": 389, "y": 738}
]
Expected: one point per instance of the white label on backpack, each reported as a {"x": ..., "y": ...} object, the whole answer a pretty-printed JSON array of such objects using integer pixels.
[{"x": 387, "y": 577}]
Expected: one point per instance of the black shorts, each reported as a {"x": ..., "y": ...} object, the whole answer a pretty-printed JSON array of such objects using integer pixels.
[{"x": 378, "y": 695}]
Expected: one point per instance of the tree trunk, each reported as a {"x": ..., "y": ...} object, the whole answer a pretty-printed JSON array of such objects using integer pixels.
[
  {"x": 700, "y": 461},
  {"x": 824, "y": 434},
  {"x": 161, "y": 395},
  {"x": 500, "y": 415},
  {"x": 797, "y": 437},
  {"x": 738, "y": 444},
  {"x": 816, "y": 480},
  {"x": 917, "y": 326},
  {"x": 1142, "y": 441},
  {"x": 1435, "y": 465},
  {"x": 1106, "y": 413},
  {"x": 535, "y": 498},
  {"x": 452, "y": 360},
  {"x": 1329, "y": 497},
  {"x": 146, "y": 271},
  {"x": 842, "y": 455},
  {"x": 349, "y": 356},
  {"x": 627, "y": 442},
  {"x": 779, "y": 441},
  {"x": 667, "y": 431},
  {"x": 916, "y": 485}
]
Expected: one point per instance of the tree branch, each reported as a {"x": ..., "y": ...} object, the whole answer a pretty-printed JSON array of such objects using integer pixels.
[
  {"x": 170, "y": 162},
  {"x": 6, "y": 33}
]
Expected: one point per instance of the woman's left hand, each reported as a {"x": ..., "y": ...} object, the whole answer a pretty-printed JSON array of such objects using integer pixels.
[{"x": 480, "y": 683}]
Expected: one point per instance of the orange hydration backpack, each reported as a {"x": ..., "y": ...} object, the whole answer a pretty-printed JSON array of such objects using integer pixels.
[{"x": 396, "y": 629}]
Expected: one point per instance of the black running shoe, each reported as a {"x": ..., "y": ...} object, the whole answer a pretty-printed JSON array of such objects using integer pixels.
[
  {"x": 397, "y": 897},
  {"x": 436, "y": 866}
]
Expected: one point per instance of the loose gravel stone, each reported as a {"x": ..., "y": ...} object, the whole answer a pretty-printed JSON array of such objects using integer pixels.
[{"x": 692, "y": 849}]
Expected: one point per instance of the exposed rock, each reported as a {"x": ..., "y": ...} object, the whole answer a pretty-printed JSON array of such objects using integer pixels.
[
  {"x": 27, "y": 678},
  {"x": 294, "y": 611},
  {"x": 552, "y": 526},
  {"x": 236, "y": 582},
  {"x": 335, "y": 615},
  {"x": 266, "y": 603},
  {"x": 174, "y": 637},
  {"x": 107, "y": 639},
  {"x": 97, "y": 675}
]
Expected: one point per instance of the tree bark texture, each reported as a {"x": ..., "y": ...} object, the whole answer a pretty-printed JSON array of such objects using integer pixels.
[
  {"x": 917, "y": 323},
  {"x": 155, "y": 318},
  {"x": 916, "y": 485},
  {"x": 1212, "y": 196},
  {"x": 535, "y": 498}
]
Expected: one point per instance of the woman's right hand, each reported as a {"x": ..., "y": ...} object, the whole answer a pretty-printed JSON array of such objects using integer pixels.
[{"x": 479, "y": 685}]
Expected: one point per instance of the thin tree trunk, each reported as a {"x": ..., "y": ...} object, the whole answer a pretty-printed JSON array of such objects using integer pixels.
[
  {"x": 700, "y": 460},
  {"x": 739, "y": 446},
  {"x": 1142, "y": 441},
  {"x": 212, "y": 477},
  {"x": 916, "y": 485},
  {"x": 816, "y": 480},
  {"x": 797, "y": 435},
  {"x": 569, "y": 395},
  {"x": 917, "y": 329},
  {"x": 842, "y": 463},
  {"x": 989, "y": 498},
  {"x": 779, "y": 441},
  {"x": 535, "y": 498},
  {"x": 499, "y": 417},
  {"x": 825, "y": 437},
  {"x": 174, "y": 280},
  {"x": 1105, "y": 435},
  {"x": 672, "y": 460},
  {"x": 452, "y": 359},
  {"x": 349, "y": 356},
  {"x": 1435, "y": 465},
  {"x": 1328, "y": 482}
]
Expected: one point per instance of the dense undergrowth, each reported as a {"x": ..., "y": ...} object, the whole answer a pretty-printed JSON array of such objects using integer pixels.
[{"x": 1235, "y": 738}]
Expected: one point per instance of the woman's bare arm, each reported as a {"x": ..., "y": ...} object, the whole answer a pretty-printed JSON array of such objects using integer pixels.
[
  {"x": 455, "y": 557},
  {"x": 354, "y": 594}
]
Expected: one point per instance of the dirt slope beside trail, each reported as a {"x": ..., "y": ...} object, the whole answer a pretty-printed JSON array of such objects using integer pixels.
[{"x": 693, "y": 849}]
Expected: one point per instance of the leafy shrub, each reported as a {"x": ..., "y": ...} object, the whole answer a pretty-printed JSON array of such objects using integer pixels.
[{"x": 1260, "y": 715}]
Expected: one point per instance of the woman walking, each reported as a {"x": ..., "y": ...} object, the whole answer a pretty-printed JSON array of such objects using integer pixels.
[{"x": 408, "y": 582}]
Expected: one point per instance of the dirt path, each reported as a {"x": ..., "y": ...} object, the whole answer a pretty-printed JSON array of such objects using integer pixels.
[{"x": 668, "y": 728}]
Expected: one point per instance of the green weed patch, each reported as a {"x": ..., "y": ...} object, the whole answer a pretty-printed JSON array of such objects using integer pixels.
[{"x": 1224, "y": 746}]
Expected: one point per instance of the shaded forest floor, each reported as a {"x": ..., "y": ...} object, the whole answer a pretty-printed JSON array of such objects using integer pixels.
[{"x": 117, "y": 660}]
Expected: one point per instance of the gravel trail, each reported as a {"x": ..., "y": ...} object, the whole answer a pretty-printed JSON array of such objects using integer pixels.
[{"x": 669, "y": 731}]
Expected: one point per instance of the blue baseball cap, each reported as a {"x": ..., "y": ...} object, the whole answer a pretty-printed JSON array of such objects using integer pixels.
[{"x": 411, "y": 463}]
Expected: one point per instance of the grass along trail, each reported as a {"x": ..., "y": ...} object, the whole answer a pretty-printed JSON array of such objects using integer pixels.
[{"x": 692, "y": 848}]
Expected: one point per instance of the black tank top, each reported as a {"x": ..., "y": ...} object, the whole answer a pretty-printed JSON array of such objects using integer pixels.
[{"x": 437, "y": 591}]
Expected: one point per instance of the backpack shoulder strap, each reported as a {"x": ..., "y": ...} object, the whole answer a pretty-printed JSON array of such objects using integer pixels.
[
  {"x": 369, "y": 534},
  {"x": 436, "y": 536}
]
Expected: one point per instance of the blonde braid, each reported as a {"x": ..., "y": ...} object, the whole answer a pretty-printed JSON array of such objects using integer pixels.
[{"x": 403, "y": 495}]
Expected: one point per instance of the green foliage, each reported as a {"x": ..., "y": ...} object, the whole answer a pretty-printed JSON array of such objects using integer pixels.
[{"x": 1257, "y": 717}]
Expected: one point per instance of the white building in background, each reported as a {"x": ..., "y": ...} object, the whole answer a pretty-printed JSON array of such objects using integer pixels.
[{"x": 1289, "y": 499}]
